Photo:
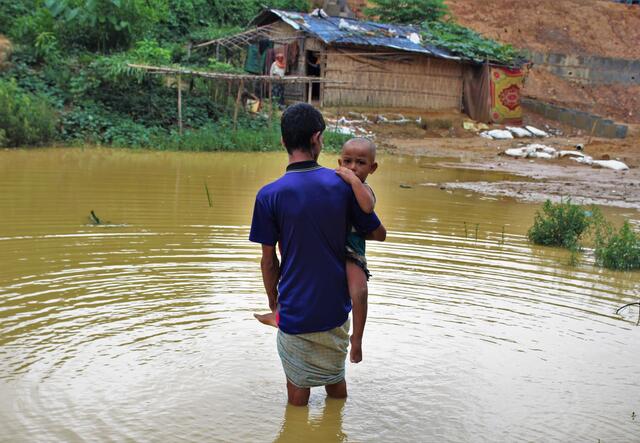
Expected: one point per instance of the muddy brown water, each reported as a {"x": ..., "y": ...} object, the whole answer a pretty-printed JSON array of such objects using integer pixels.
[{"x": 141, "y": 329}]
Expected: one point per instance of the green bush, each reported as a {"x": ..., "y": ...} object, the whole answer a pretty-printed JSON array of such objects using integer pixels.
[
  {"x": 467, "y": 43},
  {"x": 104, "y": 25},
  {"x": 407, "y": 11},
  {"x": 25, "y": 119},
  {"x": 618, "y": 250},
  {"x": 333, "y": 141},
  {"x": 559, "y": 224},
  {"x": 220, "y": 137}
]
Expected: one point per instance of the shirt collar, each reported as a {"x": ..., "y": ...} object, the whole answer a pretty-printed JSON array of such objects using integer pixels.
[{"x": 305, "y": 165}]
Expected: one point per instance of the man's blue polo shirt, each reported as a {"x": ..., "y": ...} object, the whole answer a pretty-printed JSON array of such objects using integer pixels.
[{"x": 310, "y": 210}]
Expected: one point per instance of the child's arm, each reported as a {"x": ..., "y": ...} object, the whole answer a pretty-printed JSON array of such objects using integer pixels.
[
  {"x": 270, "y": 267},
  {"x": 379, "y": 234},
  {"x": 363, "y": 193}
]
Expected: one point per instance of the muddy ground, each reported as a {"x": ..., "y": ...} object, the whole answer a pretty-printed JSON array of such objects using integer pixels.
[
  {"x": 441, "y": 135},
  {"x": 593, "y": 27},
  {"x": 540, "y": 179},
  {"x": 577, "y": 27}
]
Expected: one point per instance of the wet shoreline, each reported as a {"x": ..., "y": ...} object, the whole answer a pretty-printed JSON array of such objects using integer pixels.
[{"x": 541, "y": 179}]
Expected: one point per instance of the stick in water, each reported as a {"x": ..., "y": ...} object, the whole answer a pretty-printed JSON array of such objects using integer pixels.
[{"x": 206, "y": 188}]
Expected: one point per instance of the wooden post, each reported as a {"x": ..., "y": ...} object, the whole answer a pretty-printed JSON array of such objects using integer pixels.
[
  {"x": 179, "y": 104},
  {"x": 218, "y": 52},
  {"x": 323, "y": 74},
  {"x": 237, "y": 107},
  {"x": 310, "y": 93},
  {"x": 270, "y": 99}
]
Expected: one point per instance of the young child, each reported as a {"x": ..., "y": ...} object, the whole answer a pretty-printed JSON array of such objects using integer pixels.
[{"x": 357, "y": 161}]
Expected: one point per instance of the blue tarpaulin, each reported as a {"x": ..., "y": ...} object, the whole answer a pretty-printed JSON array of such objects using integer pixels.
[{"x": 346, "y": 31}]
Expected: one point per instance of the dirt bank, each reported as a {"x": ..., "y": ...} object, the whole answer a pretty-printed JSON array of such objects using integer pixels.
[
  {"x": 593, "y": 27},
  {"x": 541, "y": 179},
  {"x": 587, "y": 27},
  {"x": 618, "y": 102}
]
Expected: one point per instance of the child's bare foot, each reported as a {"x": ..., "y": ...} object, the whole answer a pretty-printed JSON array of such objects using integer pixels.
[
  {"x": 356, "y": 350},
  {"x": 267, "y": 319}
]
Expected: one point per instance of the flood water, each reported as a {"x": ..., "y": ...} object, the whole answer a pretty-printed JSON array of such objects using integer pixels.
[{"x": 141, "y": 329}]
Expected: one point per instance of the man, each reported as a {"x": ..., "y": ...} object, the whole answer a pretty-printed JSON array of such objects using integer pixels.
[{"x": 309, "y": 211}]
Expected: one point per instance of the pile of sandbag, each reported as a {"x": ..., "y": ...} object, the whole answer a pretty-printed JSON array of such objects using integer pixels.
[
  {"x": 513, "y": 131},
  {"x": 536, "y": 150},
  {"x": 533, "y": 151}
]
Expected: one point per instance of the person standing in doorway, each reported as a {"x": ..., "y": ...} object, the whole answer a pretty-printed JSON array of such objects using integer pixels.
[{"x": 278, "y": 69}]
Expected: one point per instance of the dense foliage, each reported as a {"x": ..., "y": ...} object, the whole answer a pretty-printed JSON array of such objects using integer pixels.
[
  {"x": 618, "y": 250},
  {"x": 439, "y": 30},
  {"x": 25, "y": 119},
  {"x": 69, "y": 78},
  {"x": 407, "y": 11},
  {"x": 466, "y": 43},
  {"x": 559, "y": 224}
]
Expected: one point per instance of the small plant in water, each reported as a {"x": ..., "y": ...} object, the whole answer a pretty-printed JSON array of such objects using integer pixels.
[
  {"x": 560, "y": 224},
  {"x": 206, "y": 188}
]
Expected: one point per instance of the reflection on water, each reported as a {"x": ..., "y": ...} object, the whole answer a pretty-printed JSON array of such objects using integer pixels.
[
  {"x": 142, "y": 330},
  {"x": 300, "y": 425}
]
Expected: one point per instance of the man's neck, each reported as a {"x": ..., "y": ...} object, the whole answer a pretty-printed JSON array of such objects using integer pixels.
[{"x": 300, "y": 156}]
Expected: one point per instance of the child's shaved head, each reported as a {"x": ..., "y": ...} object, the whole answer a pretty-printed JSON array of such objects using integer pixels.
[{"x": 362, "y": 142}]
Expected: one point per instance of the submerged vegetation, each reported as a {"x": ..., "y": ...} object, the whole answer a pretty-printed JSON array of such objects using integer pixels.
[
  {"x": 618, "y": 250},
  {"x": 559, "y": 224},
  {"x": 567, "y": 225}
]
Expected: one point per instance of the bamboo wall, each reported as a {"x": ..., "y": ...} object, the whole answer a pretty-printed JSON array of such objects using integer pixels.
[
  {"x": 378, "y": 78},
  {"x": 405, "y": 81}
]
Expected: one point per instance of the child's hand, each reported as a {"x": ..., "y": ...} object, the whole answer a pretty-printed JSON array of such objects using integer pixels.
[
  {"x": 356, "y": 350},
  {"x": 346, "y": 174}
]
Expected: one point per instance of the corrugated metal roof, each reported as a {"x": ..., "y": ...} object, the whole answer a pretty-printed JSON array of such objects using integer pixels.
[{"x": 339, "y": 30}]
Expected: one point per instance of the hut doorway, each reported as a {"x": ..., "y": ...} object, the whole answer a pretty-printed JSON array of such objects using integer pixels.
[{"x": 313, "y": 70}]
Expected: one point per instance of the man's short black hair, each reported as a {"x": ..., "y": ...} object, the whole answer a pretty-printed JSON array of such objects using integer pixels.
[{"x": 299, "y": 122}]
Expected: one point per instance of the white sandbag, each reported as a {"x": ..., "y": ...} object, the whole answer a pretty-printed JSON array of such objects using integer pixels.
[
  {"x": 344, "y": 25},
  {"x": 536, "y": 147},
  {"x": 543, "y": 155},
  {"x": 516, "y": 152},
  {"x": 342, "y": 130},
  {"x": 571, "y": 154},
  {"x": 499, "y": 134},
  {"x": 519, "y": 132},
  {"x": 414, "y": 38},
  {"x": 319, "y": 13},
  {"x": 586, "y": 160},
  {"x": 485, "y": 135},
  {"x": 537, "y": 132},
  {"x": 611, "y": 164}
]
